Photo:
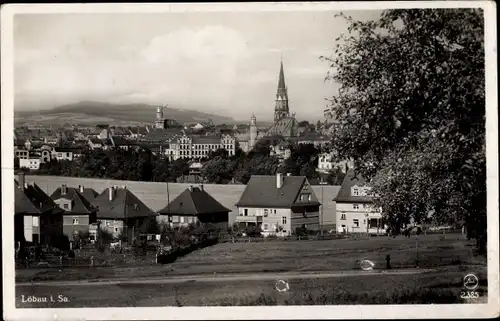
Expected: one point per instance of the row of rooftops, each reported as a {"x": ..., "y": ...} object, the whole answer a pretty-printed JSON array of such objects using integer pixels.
[{"x": 118, "y": 202}]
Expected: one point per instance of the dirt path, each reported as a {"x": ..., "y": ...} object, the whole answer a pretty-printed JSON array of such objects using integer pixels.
[{"x": 221, "y": 277}]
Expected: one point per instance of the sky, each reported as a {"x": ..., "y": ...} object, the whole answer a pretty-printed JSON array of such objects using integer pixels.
[{"x": 225, "y": 63}]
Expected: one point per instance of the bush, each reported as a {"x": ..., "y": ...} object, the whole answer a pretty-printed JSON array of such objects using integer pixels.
[{"x": 253, "y": 231}]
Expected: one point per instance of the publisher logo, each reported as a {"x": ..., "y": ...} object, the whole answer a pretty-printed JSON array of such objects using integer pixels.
[
  {"x": 471, "y": 282},
  {"x": 282, "y": 286}
]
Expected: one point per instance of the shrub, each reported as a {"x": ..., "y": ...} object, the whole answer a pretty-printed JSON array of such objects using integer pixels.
[{"x": 253, "y": 231}]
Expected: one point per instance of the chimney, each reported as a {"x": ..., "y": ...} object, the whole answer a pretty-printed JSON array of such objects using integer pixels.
[
  {"x": 81, "y": 188},
  {"x": 279, "y": 180},
  {"x": 63, "y": 189},
  {"x": 191, "y": 188},
  {"x": 111, "y": 192},
  {"x": 201, "y": 187},
  {"x": 21, "y": 181}
]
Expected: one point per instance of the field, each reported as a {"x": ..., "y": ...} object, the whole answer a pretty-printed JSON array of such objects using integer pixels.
[
  {"x": 239, "y": 266},
  {"x": 289, "y": 256}
]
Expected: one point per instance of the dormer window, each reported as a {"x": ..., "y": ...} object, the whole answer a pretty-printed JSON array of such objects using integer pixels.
[
  {"x": 355, "y": 206},
  {"x": 355, "y": 191}
]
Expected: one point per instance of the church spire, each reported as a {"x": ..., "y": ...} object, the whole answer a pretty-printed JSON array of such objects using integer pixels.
[
  {"x": 281, "y": 83},
  {"x": 281, "y": 104}
]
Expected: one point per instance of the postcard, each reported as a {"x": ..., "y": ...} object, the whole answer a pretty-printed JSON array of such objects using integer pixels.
[{"x": 325, "y": 160}]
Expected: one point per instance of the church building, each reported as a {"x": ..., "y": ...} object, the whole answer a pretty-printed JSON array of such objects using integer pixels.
[{"x": 284, "y": 124}]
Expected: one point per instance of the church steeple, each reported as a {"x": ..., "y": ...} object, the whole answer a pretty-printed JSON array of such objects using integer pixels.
[{"x": 281, "y": 104}]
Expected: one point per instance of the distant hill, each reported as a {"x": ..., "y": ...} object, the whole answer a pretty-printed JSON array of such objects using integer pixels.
[{"x": 90, "y": 112}]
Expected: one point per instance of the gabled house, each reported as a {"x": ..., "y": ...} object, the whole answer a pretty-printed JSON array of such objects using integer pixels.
[
  {"x": 79, "y": 214},
  {"x": 36, "y": 216},
  {"x": 354, "y": 207},
  {"x": 195, "y": 205},
  {"x": 278, "y": 204},
  {"x": 120, "y": 211}
]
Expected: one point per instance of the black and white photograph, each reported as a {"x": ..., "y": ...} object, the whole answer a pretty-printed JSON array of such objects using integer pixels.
[{"x": 199, "y": 158}]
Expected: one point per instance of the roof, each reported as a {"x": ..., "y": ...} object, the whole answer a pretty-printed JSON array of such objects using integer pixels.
[
  {"x": 206, "y": 139},
  {"x": 90, "y": 194},
  {"x": 124, "y": 204},
  {"x": 33, "y": 200},
  {"x": 194, "y": 202},
  {"x": 80, "y": 204},
  {"x": 120, "y": 141},
  {"x": 67, "y": 149},
  {"x": 262, "y": 191},
  {"x": 344, "y": 194},
  {"x": 138, "y": 130}
]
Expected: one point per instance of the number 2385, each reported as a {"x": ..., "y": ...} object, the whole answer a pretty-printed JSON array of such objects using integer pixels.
[{"x": 469, "y": 295}]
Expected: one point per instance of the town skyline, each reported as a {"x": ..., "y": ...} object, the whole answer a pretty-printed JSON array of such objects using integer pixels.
[{"x": 214, "y": 62}]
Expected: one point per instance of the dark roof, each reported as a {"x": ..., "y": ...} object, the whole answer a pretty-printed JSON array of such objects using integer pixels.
[
  {"x": 90, "y": 194},
  {"x": 33, "y": 200},
  {"x": 120, "y": 141},
  {"x": 80, "y": 204},
  {"x": 262, "y": 191},
  {"x": 67, "y": 149},
  {"x": 194, "y": 202},
  {"x": 138, "y": 130},
  {"x": 124, "y": 204},
  {"x": 344, "y": 195}
]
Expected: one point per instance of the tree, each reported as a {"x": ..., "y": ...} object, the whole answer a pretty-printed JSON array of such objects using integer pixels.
[
  {"x": 218, "y": 170},
  {"x": 411, "y": 105}
]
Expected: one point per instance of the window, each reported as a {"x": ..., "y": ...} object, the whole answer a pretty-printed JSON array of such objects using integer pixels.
[
  {"x": 266, "y": 212},
  {"x": 355, "y": 206},
  {"x": 355, "y": 191},
  {"x": 67, "y": 154},
  {"x": 342, "y": 216},
  {"x": 246, "y": 211},
  {"x": 301, "y": 197},
  {"x": 284, "y": 231},
  {"x": 274, "y": 211},
  {"x": 108, "y": 223},
  {"x": 309, "y": 197},
  {"x": 355, "y": 222},
  {"x": 170, "y": 219},
  {"x": 35, "y": 221},
  {"x": 265, "y": 226},
  {"x": 65, "y": 206},
  {"x": 75, "y": 221},
  {"x": 116, "y": 229},
  {"x": 182, "y": 219},
  {"x": 190, "y": 219},
  {"x": 283, "y": 220}
]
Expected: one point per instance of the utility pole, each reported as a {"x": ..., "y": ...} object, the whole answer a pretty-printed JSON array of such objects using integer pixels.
[{"x": 322, "y": 205}]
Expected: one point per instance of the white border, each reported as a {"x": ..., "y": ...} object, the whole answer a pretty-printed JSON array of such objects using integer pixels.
[{"x": 208, "y": 313}]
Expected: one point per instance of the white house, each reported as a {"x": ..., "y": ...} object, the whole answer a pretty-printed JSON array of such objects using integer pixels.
[
  {"x": 33, "y": 163},
  {"x": 354, "y": 208},
  {"x": 326, "y": 163},
  {"x": 278, "y": 204}
]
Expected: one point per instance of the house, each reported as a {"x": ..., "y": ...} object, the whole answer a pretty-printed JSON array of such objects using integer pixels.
[
  {"x": 122, "y": 143},
  {"x": 36, "y": 216},
  {"x": 195, "y": 205},
  {"x": 314, "y": 138},
  {"x": 326, "y": 164},
  {"x": 354, "y": 207},
  {"x": 120, "y": 211},
  {"x": 278, "y": 204},
  {"x": 137, "y": 132},
  {"x": 63, "y": 153},
  {"x": 78, "y": 213},
  {"x": 282, "y": 150},
  {"x": 32, "y": 162}
]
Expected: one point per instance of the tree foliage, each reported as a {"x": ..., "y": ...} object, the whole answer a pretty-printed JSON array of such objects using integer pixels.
[{"x": 412, "y": 107}]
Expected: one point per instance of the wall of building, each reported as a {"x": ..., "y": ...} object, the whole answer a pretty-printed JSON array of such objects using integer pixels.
[
  {"x": 309, "y": 216},
  {"x": 154, "y": 194},
  {"x": 69, "y": 228},
  {"x": 362, "y": 214}
]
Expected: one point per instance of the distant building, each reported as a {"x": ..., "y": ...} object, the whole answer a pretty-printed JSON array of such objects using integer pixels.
[
  {"x": 196, "y": 147},
  {"x": 192, "y": 206},
  {"x": 326, "y": 164},
  {"x": 354, "y": 207},
  {"x": 32, "y": 162},
  {"x": 278, "y": 204}
]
